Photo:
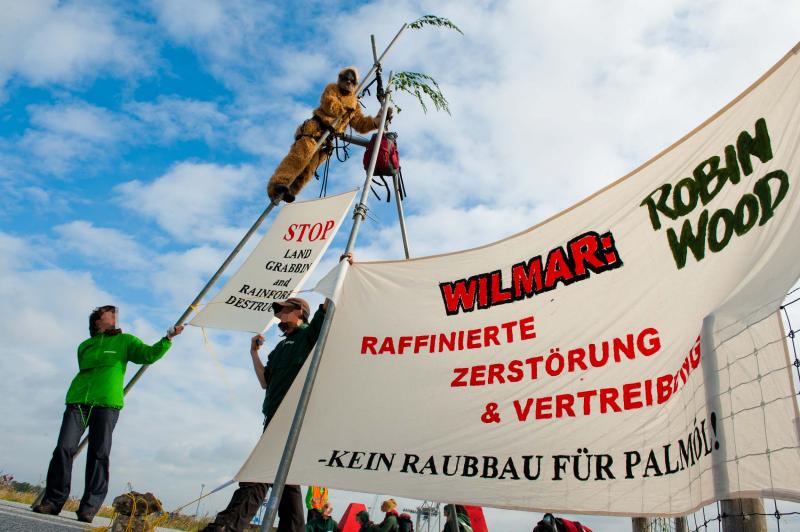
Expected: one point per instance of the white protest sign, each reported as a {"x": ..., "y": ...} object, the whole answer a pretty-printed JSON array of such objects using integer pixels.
[
  {"x": 277, "y": 267},
  {"x": 624, "y": 357}
]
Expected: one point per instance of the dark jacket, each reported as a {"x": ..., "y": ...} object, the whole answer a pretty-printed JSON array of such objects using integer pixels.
[
  {"x": 322, "y": 525},
  {"x": 389, "y": 523},
  {"x": 285, "y": 361}
]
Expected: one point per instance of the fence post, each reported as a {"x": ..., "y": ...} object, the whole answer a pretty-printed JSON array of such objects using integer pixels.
[
  {"x": 743, "y": 515},
  {"x": 681, "y": 524},
  {"x": 639, "y": 524}
]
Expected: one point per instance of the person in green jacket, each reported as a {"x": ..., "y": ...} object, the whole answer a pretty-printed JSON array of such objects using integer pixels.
[{"x": 93, "y": 401}]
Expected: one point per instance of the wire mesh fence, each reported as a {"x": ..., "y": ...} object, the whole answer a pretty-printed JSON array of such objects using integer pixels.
[{"x": 749, "y": 514}]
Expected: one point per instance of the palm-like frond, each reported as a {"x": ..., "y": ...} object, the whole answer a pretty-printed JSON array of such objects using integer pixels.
[
  {"x": 419, "y": 85},
  {"x": 433, "y": 20}
]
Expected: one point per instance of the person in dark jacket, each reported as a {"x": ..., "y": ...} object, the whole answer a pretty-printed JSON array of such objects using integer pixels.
[
  {"x": 323, "y": 522},
  {"x": 460, "y": 522},
  {"x": 389, "y": 523},
  {"x": 275, "y": 377},
  {"x": 366, "y": 524},
  {"x": 94, "y": 400}
]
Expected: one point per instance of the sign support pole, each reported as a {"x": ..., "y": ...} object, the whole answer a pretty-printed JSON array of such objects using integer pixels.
[{"x": 359, "y": 215}]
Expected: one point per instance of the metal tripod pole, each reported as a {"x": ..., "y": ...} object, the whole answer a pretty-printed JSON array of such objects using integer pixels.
[
  {"x": 186, "y": 313},
  {"x": 302, "y": 405},
  {"x": 395, "y": 177},
  {"x": 398, "y": 198}
]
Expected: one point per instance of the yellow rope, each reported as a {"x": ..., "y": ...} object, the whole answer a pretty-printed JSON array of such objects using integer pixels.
[
  {"x": 150, "y": 523},
  {"x": 208, "y": 346}
]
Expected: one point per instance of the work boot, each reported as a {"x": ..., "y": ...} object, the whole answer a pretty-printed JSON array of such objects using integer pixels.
[
  {"x": 46, "y": 508},
  {"x": 85, "y": 518}
]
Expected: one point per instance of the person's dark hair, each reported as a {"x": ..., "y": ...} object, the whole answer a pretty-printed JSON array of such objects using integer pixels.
[{"x": 95, "y": 315}]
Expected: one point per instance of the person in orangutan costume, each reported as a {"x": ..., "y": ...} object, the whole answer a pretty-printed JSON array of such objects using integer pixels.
[{"x": 338, "y": 101}]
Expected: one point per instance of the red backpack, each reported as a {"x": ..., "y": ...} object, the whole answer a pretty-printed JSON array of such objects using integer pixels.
[{"x": 388, "y": 163}]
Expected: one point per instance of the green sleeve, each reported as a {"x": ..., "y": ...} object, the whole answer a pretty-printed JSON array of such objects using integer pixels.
[
  {"x": 141, "y": 353},
  {"x": 308, "y": 498}
]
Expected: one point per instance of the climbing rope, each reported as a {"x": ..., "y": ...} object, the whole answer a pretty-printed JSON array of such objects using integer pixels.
[{"x": 338, "y": 145}]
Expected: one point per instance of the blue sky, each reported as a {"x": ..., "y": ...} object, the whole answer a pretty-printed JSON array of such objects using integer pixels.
[{"x": 136, "y": 139}]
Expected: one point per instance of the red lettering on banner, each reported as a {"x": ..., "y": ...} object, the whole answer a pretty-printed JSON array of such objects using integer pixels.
[
  {"x": 522, "y": 412},
  {"x": 480, "y": 338},
  {"x": 586, "y": 254},
  {"x": 600, "y": 401},
  {"x": 368, "y": 345},
  {"x": 476, "y": 377},
  {"x": 460, "y": 374},
  {"x": 557, "y": 269},
  {"x": 313, "y": 232},
  {"x": 617, "y": 350},
  {"x": 583, "y": 251},
  {"x": 564, "y": 403},
  {"x": 543, "y": 406}
]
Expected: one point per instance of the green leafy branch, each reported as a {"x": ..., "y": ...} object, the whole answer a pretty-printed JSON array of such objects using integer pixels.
[
  {"x": 421, "y": 85},
  {"x": 417, "y": 85},
  {"x": 433, "y": 20}
]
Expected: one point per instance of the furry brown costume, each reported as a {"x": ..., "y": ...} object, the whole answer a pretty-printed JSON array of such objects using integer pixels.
[{"x": 338, "y": 100}]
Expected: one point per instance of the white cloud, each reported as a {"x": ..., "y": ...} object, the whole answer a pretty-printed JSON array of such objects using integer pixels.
[
  {"x": 80, "y": 120},
  {"x": 13, "y": 252},
  {"x": 65, "y": 135},
  {"x": 102, "y": 246},
  {"x": 192, "y": 200},
  {"x": 46, "y": 41},
  {"x": 181, "y": 275},
  {"x": 445, "y": 229},
  {"x": 245, "y": 45},
  {"x": 172, "y": 118},
  {"x": 225, "y": 33}
]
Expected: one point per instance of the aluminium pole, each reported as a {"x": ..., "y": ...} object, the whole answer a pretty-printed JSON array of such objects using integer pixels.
[
  {"x": 399, "y": 200},
  {"x": 184, "y": 316},
  {"x": 302, "y": 404},
  {"x": 395, "y": 178}
]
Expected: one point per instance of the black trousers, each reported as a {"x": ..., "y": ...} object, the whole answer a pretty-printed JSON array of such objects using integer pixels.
[
  {"x": 101, "y": 422},
  {"x": 246, "y": 501}
]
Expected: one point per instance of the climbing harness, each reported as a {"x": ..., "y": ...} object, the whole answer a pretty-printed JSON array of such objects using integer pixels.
[{"x": 338, "y": 145}]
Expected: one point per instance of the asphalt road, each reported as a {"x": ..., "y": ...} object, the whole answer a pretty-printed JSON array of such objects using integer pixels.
[{"x": 18, "y": 517}]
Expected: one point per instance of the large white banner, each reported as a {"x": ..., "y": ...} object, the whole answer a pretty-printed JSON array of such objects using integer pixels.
[
  {"x": 277, "y": 267},
  {"x": 624, "y": 357}
]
